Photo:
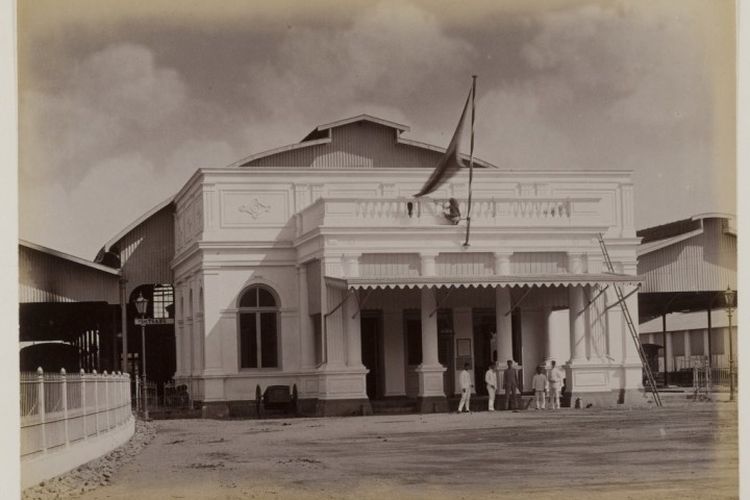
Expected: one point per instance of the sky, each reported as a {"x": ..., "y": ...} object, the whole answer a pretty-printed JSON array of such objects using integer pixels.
[{"x": 120, "y": 102}]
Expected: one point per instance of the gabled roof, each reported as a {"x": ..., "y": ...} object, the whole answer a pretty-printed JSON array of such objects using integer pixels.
[
  {"x": 362, "y": 118},
  {"x": 321, "y": 135},
  {"x": 68, "y": 257}
]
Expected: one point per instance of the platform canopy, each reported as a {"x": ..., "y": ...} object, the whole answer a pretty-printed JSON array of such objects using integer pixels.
[{"x": 490, "y": 281}]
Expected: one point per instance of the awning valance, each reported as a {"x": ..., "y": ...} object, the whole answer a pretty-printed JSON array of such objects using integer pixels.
[{"x": 490, "y": 281}]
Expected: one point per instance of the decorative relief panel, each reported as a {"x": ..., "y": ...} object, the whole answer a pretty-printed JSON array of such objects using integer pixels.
[{"x": 251, "y": 208}]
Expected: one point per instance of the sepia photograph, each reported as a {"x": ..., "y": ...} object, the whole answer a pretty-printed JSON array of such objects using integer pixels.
[{"x": 376, "y": 249}]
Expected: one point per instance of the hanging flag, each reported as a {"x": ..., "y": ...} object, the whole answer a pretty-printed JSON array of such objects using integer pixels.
[{"x": 450, "y": 163}]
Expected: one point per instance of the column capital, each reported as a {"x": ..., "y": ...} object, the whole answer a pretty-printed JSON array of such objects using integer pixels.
[
  {"x": 427, "y": 260},
  {"x": 502, "y": 262},
  {"x": 576, "y": 263}
]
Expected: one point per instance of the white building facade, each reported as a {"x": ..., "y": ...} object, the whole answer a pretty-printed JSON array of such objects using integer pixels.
[{"x": 313, "y": 266}]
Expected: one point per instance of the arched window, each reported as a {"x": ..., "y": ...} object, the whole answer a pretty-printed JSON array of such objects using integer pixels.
[{"x": 258, "y": 325}]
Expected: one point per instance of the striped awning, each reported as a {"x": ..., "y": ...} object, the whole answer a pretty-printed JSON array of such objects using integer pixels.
[{"x": 490, "y": 281}]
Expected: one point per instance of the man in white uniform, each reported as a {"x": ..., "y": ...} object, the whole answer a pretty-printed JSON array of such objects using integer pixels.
[
  {"x": 490, "y": 379},
  {"x": 466, "y": 387},
  {"x": 555, "y": 378}
]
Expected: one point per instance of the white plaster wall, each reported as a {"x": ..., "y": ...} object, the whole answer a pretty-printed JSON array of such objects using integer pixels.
[
  {"x": 560, "y": 338},
  {"x": 223, "y": 289}
]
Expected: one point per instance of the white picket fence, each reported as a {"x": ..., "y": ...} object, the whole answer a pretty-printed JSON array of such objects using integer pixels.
[{"x": 67, "y": 419}]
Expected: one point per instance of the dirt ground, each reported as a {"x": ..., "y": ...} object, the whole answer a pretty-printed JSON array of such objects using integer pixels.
[{"x": 683, "y": 451}]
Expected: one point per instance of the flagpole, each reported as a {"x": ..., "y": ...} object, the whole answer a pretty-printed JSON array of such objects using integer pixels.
[{"x": 471, "y": 159}]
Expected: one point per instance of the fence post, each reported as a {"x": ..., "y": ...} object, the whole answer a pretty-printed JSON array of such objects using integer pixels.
[
  {"x": 83, "y": 403},
  {"x": 96, "y": 400},
  {"x": 64, "y": 395},
  {"x": 40, "y": 401},
  {"x": 105, "y": 378}
]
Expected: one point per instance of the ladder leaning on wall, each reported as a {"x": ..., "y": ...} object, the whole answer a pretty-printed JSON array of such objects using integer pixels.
[{"x": 650, "y": 382}]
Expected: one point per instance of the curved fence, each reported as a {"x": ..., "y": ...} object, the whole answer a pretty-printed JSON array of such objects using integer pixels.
[{"x": 70, "y": 419}]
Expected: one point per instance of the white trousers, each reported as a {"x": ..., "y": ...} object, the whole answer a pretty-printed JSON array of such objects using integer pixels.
[
  {"x": 465, "y": 397},
  {"x": 554, "y": 397},
  {"x": 491, "y": 400},
  {"x": 539, "y": 400}
]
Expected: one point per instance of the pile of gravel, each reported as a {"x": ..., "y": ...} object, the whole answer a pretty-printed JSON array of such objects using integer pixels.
[{"x": 95, "y": 473}]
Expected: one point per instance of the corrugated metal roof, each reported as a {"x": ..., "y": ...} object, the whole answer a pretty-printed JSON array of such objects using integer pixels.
[
  {"x": 359, "y": 142},
  {"x": 68, "y": 257}
]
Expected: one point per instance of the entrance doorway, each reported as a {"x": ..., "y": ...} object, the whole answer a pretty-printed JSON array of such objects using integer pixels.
[
  {"x": 372, "y": 341},
  {"x": 484, "y": 326},
  {"x": 446, "y": 353}
]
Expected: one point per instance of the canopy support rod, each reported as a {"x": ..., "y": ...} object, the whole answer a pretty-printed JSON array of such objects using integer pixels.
[
  {"x": 360, "y": 303},
  {"x": 635, "y": 290},
  {"x": 450, "y": 291},
  {"x": 593, "y": 300},
  {"x": 518, "y": 303},
  {"x": 339, "y": 304}
]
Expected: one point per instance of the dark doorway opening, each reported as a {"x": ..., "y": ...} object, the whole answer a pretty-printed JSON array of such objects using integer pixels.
[
  {"x": 372, "y": 352},
  {"x": 484, "y": 326},
  {"x": 446, "y": 353}
]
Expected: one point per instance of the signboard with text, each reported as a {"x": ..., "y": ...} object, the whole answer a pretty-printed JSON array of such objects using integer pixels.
[{"x": 154, "y": 321}]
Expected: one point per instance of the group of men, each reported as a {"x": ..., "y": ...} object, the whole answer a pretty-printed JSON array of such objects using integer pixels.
[{"x": 549, "y": 384}]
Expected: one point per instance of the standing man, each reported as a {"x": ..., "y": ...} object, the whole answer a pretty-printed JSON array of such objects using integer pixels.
[
  {"x": 466, "y": 387},
  {"x": 490, "y": 379},
  {"x": 510, "y": 382},
  {"x": 555, "y": 386},
  {"x": 539, "y": 384}
]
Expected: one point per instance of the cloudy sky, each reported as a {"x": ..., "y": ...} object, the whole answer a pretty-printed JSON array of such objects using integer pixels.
[{"x": 121, "y": 101}]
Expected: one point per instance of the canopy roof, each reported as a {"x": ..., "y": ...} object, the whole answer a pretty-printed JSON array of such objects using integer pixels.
[{"x": 490, "y": 281}]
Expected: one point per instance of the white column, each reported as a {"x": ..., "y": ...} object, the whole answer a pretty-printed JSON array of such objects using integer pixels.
[
  {"x": 429, "y": 328},
  {"x": 430, "y": 372},
  {"x": 548, "y": 328},
  {"x": 688, "y": 347},
  {"x": 306, "y": 337},
  {"x": 503, "y": 325},
  {"x": 577, "y": 323},
  {"x": 334, "y": 328},
  {"x": 352, "y": 326}
]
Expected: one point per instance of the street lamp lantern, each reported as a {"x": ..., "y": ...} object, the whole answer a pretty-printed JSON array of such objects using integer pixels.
[
  {"x": 141, "y": 305},
  {"x": 730, "y": 297}
]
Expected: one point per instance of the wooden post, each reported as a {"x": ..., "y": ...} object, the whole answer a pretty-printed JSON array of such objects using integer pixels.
[
  {"x": 107, "y": 406},
  {"x": 42, "y": 412},
  {"x": 96, "y": 400},
  {"x": 65, "y": 405},
  {"x": 83, "y": 403}
]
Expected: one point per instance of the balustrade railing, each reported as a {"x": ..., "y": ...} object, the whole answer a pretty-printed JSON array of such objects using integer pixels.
[
  {"x": 58, "y": 409},
  {"x": 538, "y": 211}
]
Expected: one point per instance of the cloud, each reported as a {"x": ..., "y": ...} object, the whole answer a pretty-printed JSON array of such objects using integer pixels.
[
  {"x": 390, "y": 54},
  {"x": 110, "y": 101}
]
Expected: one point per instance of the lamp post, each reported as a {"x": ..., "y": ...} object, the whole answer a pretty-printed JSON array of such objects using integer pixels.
[
  {"x": 141, "y": 305},
  {"x": 729, "y": 303}
]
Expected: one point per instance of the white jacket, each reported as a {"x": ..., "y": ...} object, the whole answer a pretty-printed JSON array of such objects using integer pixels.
[
  {"x": 465, "y": 380},
  {"x": 490, "y": 377}
]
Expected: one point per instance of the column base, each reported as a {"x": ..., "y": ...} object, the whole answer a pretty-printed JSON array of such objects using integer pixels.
[
  {"x": 606, "y": 384},
  {"x": 430, "y": 381},
  {"x": 432, "y": 404},
  {"x": 343, "y": 407},
  {"x": 631, "y": 398}
]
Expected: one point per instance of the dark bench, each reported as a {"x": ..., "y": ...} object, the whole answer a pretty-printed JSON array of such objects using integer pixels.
[{"x": 276, "y": 398}]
